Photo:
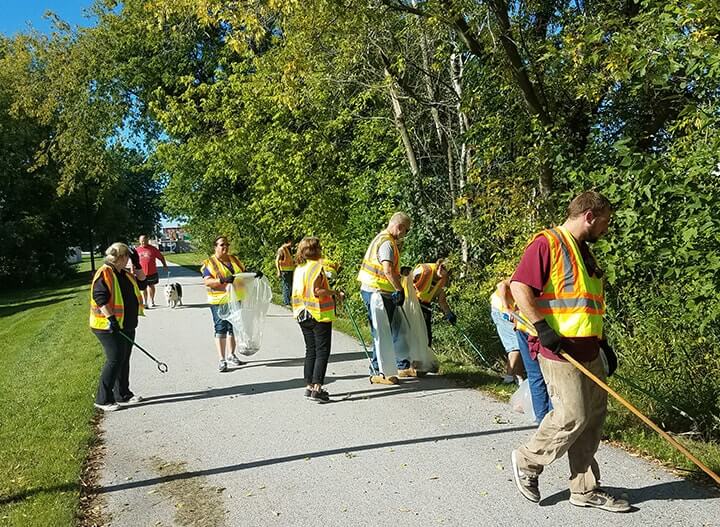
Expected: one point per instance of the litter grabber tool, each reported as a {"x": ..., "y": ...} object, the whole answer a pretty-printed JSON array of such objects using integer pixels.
[
  {"x": 475, "y": 349},
  {"x": 161, "y": 366},
  {"x": 642, "y": 417},
  {"x": 359, "y": 334}
]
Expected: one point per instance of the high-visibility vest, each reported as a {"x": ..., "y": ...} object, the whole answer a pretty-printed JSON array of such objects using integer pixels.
[
  {"x": 572, "y": 301},
  {"x": 371, "y": 270},
  {"x": 285, "y": 262},
  {"x": 424, "y": 278},
  {"x": 322, "y": 308},
  {"x": 219, "y": 270},
  {"x": 116, "y": 304}
]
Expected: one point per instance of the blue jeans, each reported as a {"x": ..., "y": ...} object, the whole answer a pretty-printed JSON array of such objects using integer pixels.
[
  {"x": 538, "y": 390},
  {"x": 286, "y": 280},
  {"x": 402, "y": 364},
  {"x": 223, "y": 328}
]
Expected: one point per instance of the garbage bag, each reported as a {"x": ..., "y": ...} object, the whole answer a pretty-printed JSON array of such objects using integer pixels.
[
  {"x": 384, "y": 348},
  {"x": 521, "y": 400},
  {"x": 421, "y": 355},
  {"x": 247, "y": 316}
]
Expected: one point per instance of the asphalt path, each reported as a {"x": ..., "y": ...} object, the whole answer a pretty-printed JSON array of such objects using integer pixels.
[{"x": 244, "y": 448}]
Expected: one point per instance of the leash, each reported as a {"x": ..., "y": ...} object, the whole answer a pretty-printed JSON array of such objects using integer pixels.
[
  {"x": 642, "y": 417},
  {"x": 160, "y": 365}
]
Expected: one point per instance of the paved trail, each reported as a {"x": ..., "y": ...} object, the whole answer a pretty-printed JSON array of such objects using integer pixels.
[{"x": 244, "y": 448}]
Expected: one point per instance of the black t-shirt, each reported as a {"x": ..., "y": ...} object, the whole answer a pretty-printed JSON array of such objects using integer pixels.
[{"x": 101, "y": 296}]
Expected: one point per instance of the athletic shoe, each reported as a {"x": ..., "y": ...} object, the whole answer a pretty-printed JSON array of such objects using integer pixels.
[
  {"x": 152, "y": 305},
  {"x": 319, "y": 396},
  {"x": 107, "y": 407},
  {"x": 527, "y": 484},
  {"x": 600, "y": 499},
  {"x": 508, "y": 379},
  {"x": 308, "y": 392},
  {"x": 222, "y": 366},
  {"x": 131, "y": 400},
  {"x": 381, "y": 379},
  {"x": 235, "y": 361}
]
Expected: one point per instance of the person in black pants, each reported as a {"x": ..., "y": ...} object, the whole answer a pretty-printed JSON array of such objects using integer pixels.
[
  {"x": 115, "y": 304},
  {"x": 313, "y": 304}
]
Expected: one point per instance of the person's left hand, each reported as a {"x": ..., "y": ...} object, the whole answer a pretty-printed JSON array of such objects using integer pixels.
[
  {"x": 259, "y": 274},
  {"x": 610, "y": 356},
  {"x": 451, "y": 317}
]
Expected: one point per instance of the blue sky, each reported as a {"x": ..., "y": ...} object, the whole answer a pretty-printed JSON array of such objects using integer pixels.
[{"x": 15, "y": 14}]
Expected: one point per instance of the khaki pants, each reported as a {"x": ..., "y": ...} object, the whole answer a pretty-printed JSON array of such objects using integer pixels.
[{"x": 573, "y": 426}]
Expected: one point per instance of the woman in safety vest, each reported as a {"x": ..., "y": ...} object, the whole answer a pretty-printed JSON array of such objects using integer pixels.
[
  {"x": 115, "y": 304},
  {"x": 218, "y": 273},
  {"x": 430, "y": 280},
  {"x": 313, "y": 304}
]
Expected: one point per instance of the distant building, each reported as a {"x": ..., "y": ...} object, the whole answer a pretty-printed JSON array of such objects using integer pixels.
[{"x": 173, "y": 233}]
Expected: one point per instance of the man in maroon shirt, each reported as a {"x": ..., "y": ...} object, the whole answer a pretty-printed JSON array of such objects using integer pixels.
[
  {"x": 558, "y": 286},
  {"x": 148, "y": 256}
]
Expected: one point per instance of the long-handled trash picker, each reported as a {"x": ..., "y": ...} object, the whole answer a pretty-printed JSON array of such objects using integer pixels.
[
  {"x": 362, "y": 340},
  {"x": 477, "y": 351},
  {"x": 160, "y": 365},
  {"x": 642, "y": 417}
]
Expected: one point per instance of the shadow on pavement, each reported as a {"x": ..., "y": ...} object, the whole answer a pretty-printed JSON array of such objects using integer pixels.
[{"x": 301, "y": 457}]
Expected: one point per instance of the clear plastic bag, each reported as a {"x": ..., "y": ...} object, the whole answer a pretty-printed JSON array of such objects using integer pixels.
[
  {"x": 521, "y": 400},
  {"x": 247, "y": 316},
  {"x": 421, "y": 355},
  {"x": 384, "y": 348}
]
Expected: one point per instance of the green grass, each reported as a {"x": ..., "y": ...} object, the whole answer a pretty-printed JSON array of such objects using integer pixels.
[
  {"x": 50, "y": 366},
  {"x": 191, "y": 261}
]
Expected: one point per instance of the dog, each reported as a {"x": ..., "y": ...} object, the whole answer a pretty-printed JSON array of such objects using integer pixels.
[{"x": 173, "y": 294}]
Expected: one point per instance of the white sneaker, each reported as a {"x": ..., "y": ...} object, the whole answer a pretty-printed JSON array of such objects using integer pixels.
[
  {"x": 107, "y": 407},
  {"x": 132, "y": 400}
]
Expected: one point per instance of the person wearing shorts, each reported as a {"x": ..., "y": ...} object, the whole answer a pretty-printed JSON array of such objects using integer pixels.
[
  {"x": 501, "y": 313},
  {"x": 149, "y": 254}
]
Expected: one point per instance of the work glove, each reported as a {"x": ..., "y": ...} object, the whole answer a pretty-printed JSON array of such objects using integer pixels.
[
  {"x": 114, "y": 324},
  {"x": 610, "y": 355},
  {"x": 135, "y": 258},
  {"x": 549, "y": 338},
  {"x": 405, "y": 270},
  {"x": 258, "y": 274},
  {"x": 398, "y": 298},
  {"x": 227, "y": 279},
  {"x": 451, "y": 317}
]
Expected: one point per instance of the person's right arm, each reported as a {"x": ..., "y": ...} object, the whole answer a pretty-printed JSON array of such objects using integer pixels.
[
  {"x": 212, "y": 282},
  {"x": 392, "y": 276}
]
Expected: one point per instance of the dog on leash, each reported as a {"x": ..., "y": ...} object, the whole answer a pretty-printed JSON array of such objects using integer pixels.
[{"x": 173, "y": 294}]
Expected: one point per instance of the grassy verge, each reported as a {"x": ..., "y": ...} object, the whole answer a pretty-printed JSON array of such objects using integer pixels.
[
  {"x": 191, "y": 261},
  {"x": 621, "y": 427},
  {"x": 50, "y": 365}
]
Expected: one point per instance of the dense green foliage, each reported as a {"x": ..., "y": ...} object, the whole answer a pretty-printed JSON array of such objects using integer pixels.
[{"x": 480, "y": 119}]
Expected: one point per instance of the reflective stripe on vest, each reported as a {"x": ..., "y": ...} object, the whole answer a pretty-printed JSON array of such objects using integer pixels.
[
  {"x": 572, "y": 301},
  {"x": 116, "y": 304},
  {"x": 219, "y": 270},
  {"x": 286, "y": 261},
  {"x": 321, "y": 308},
  {"x": 423, "y": 276},
  {"x": 371, "y": 270}
]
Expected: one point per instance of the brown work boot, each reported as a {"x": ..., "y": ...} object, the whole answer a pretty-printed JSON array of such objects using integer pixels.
[
  {"x": 381, "y": 379},
  {"x": 408, "y": 372},
  {"x": 600, "y": 499}
]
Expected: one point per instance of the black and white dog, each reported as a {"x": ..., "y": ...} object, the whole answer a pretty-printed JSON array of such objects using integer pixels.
[{"x": 173, "y": 294}]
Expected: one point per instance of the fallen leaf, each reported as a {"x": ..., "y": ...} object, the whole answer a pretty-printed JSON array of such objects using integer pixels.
[
  {"x": 276, "y": 513},
  {"x": 499, "y": 467},
  {"x": 434, "y": 477}
]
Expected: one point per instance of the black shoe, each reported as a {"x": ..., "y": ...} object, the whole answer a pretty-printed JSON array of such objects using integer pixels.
[
  {"x": 308, "y": 392},
  {"x": 319, "y": 396}
]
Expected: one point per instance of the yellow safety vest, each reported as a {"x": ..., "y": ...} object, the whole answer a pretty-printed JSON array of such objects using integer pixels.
[
  {"x": 371, "y": 270},
  {"x": 572, "y": 301},
  {"x": 424, "y": 279},
  {"x": 286, "y": 260},
  {"x": 116, "y": 304},
  {"x": 218, "y": 270},
  {"x": 322, "y": 308}
]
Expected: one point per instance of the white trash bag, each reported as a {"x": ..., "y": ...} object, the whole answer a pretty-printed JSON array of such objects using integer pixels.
[
  {"x": 247, "y": 316},
  {"x": 384, "y": 348},
  {"x": 521, "y": 400},
  {"x": 421, "y": 356}
]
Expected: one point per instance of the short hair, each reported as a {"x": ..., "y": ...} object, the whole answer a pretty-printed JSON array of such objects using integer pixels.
[
  {"x": 400, "y": 218},
  {"x": 116, "y": 251},
  {"x": 590, "y": 200},
  {"x": 288, "y": 238},
  {"x": 308, "y": 249},
  {"x": 218, "y": 239}
]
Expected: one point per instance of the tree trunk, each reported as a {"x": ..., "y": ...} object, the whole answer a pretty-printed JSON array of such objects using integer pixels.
[{"x": 399, "y": 119}]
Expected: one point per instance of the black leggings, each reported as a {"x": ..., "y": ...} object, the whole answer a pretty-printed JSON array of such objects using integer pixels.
[
  {"x": 115, "y": 377},
  {"x": 318, "y": 336}
]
